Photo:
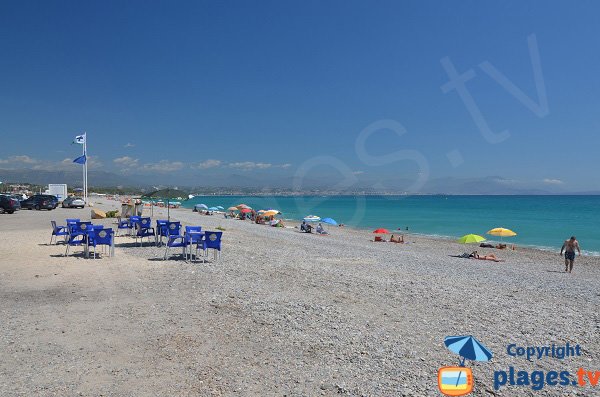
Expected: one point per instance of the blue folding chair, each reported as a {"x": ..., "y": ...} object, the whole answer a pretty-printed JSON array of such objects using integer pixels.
[
  {"x": 161, "y": 231},
  {"x": 58, "y": 231},
  {"x": 193, "y": 235},
  {"x": 104, "y": 238},
  {"x": 211, "y": 240},
  {"x": 78, "y": 235},
  {"x": 144, "y": 229},
  {"x": 123, "y": 224},
  {"x": 174, "y": 238},
  {"x": 133, "y": 221}
]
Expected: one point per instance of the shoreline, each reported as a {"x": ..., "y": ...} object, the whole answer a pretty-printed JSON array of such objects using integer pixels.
[
  {"x": 423, "y": 238},
  {"x": 546, "y": 244}
]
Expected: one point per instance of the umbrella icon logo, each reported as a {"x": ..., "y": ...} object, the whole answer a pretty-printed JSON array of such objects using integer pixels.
[{"x": 458, "y": 381}]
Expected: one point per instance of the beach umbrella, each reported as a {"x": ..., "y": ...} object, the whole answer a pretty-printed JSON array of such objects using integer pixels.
[
  {"x": 221, "y": 208},
  {"x": 381, "y": 231},
  {"x": 329, "y": 221},
  {"x": 213, "y": 209},
  {"x": 242, "y": 206},
  {"x": 201, "y": 206},
  {"x": 312, "y": 218},
  {"x": 471, "y": 239},
  {"x": 245, "y": 210},
  {"x": 232, "y": 209},
  {"x": 271, "y": 213},
  {"x": 502, "y": 232},
  {"x": 468, "y": 348}
]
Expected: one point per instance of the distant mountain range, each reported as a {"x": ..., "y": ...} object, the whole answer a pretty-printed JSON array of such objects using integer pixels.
[
  {"x": 71, "y": 178},
  {"x": 492, "y": 185}
]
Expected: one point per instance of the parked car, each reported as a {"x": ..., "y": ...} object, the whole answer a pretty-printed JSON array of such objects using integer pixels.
[
  {"x": 9, "y": 204},
  {"x": 40, "y": 201},
  {"x": 73, "y": 202}
]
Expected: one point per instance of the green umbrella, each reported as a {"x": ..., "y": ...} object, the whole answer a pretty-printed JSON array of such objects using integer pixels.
[{"x": 471, "y": 239}]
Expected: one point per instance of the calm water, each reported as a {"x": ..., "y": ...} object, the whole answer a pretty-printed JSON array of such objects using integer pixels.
[{"x": 541, "y": 221}]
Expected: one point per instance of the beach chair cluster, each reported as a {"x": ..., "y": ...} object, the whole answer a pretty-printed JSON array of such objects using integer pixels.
[
  {"x": 90, "y": 237},
  {"x": 194, "y": 242}
]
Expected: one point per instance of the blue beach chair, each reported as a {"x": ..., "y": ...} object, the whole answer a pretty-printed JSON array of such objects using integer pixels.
[
  {"x": 78, "y": 235},
  {"x": 58, "y": 231},
  {"x": 104, "y": 238},
  {"x": 144, "y": 229},
  {"x": 211, "y": 240}
]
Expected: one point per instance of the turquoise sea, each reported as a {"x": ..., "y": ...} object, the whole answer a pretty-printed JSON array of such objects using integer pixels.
[{"x": 539, "y": 221}]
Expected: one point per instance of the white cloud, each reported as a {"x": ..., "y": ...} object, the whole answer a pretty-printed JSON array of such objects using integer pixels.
[
  {"x": 128, "y": 145},
  {"x": 163, "y": 166},
  {"x": 506, "y": 181},
  {"x": 25, "y": 159},
  {"x": 358, "y": 172},
  {"x": 22, "y": 159},
  {"x": 211, "y": 163},
  {"x": 126, "y": 161},
  {"x": 250, "y": 165},
  {"x": 550, "y": 181}
]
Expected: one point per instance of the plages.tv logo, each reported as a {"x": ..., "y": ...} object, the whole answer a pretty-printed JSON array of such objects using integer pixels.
[{"x": 459, "y": 381}]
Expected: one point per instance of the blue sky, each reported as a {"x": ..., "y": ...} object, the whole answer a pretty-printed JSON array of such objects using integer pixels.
[{"x": 188, "y": 88}]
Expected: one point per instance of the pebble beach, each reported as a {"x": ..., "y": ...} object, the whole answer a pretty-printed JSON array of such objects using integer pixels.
[{"x": 282, "y": 313}]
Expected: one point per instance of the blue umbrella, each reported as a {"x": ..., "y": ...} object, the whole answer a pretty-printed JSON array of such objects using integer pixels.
[
  {"x": 330, "y": 221},
  {"x": 468, "y": 348},
  {"x": 202, "y": 206},
  {"x": 219, "y": 207},
  {"x": 213, "y": 209}
]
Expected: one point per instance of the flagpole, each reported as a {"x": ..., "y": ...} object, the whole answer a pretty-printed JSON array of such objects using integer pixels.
[{"x": 85, "y": 169}]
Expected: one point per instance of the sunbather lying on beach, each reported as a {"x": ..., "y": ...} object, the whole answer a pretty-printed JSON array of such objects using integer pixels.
[
  {"x": 397, "y": 240},
  {"x": 487, "y": 257}
]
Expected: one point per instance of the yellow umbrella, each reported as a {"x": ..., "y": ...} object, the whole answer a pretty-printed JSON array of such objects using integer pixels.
[
  {"x": 502, "y": 232},
  {"x": 471, "y": 239},
  {"x": 232, "y": 209},
  {"x": 270, "y": 213}
]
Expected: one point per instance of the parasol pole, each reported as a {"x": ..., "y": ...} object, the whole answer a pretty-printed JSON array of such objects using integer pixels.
[{"x": 461, "y": 364}]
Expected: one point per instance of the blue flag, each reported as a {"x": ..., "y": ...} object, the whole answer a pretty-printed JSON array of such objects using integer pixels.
[{"x": 80, "y": 160}]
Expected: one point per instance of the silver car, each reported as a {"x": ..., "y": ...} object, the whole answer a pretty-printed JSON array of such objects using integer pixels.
[{"x": 73, "y": 202}]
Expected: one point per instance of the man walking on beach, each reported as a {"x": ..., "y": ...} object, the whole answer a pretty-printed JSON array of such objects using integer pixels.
[{"x": 569, "y": 247}]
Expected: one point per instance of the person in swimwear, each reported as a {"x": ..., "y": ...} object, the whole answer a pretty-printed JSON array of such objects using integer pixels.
[
  {"x": 488, "y": 257},
  {"x": 569, "y": 246}
]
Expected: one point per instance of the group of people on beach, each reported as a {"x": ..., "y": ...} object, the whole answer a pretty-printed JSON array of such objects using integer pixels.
[
  {"x": 307, "y": 228},
  {"x": 568, "y": 248}
]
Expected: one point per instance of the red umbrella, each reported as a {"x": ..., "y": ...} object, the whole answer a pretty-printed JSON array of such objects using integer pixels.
[
  {"x": 381, "y": 231},
  {"x": 245, "y": 210}
]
